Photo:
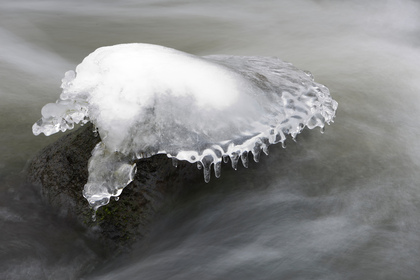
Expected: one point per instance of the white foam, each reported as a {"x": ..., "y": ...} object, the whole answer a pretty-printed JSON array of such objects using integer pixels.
[{"x": 147, "y": 99}]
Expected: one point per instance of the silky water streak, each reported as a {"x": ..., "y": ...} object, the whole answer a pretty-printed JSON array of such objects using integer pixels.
[{"x": 146, "y": 99}]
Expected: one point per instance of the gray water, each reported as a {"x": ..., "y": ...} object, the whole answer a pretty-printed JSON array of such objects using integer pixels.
[{"x": 340, "y": 205}]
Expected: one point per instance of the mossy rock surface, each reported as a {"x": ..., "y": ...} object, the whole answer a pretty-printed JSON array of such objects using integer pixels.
[{"x": 60, "y": 172}]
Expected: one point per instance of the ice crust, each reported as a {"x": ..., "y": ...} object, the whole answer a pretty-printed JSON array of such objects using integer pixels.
[{"x": 147, "y": 99}]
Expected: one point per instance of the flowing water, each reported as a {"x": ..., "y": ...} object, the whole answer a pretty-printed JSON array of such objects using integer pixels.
[{"x": 340, "y": 205}]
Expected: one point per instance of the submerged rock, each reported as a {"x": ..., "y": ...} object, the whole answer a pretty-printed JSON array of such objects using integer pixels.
[
  {"x": 146, "y": 99},
  {"x": 60, "y": 171}
]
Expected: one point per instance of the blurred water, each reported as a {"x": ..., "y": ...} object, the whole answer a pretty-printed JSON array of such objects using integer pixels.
[{"x": 339, "y": 205}]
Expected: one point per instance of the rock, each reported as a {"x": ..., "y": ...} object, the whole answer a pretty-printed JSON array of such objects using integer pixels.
[{"x": 60, "y": 172}]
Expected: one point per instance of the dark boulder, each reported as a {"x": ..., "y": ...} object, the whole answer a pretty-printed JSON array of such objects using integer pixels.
[{"x": 60, "y": 172}]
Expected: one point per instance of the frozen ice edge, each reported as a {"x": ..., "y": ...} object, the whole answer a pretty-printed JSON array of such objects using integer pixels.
[{"x": 275, "y": 99}]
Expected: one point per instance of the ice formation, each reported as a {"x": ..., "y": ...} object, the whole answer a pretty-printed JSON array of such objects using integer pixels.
[{"x": 146, "y": 99}]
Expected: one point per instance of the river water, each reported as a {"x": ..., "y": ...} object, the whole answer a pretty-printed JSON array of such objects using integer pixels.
[{"x": 340, "y": 205}]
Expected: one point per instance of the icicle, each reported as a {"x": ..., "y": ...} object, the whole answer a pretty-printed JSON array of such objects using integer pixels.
[
  {"x": 244, "y": 159},
  {"x": 207, "y": 162},
  {"x": 206, "y": 172},
  {"x": 256, "y": 151},
  {"x": 234, "y": 158},
  {"x": 218, "y": 169},
  {"x": 265, "y": 150},
  {"x": 264, "y": 145}
]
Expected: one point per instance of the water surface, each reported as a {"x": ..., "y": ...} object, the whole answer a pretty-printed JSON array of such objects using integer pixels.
[{"x": 338, "y": 205}]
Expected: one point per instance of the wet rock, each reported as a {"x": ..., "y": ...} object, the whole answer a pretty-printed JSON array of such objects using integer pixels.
[{"x": 60, "y": 172}]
